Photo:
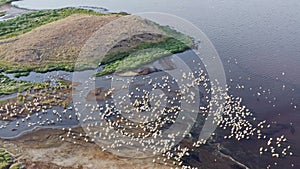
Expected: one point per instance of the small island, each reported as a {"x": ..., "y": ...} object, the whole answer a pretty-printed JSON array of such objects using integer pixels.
[{"x": 50, "y": 40}]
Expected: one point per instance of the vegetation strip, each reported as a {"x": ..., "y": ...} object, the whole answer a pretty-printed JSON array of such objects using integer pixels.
[
  {"x": 38, "y": 99},
  {"x": 29, "y": 21},
  {"x": 7, "y": 161},
  {"x": 2, "y": 2},
  {"x": 141, "y": 55},
  {"x": 9, "y": 86}
]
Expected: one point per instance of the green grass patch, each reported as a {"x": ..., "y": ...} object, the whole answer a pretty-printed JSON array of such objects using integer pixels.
[
  {"x": 17, "y": 75},
  {"x": 29, "y": 21},
  {"x": 143, "y": 54},
  {"x": 56, "y": 67},
  {"x": 187, "y": 40},
  {"x": 2, "y": 2},
  {"x": 141, "y": 58},
  {"x": 24, "y": 71},
  {"x": 175, "y": 43},
  {"x": 146, "y": 52},
  {"x": 9, "y": 86},
  {"x": 5, "y": 159},
  {"x": 132, "y": 58}
]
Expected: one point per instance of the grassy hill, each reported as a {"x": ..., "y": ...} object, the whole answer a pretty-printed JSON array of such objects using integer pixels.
[
  {"x": 49, "y": 40},
  {"x": 44, "y": 39}
]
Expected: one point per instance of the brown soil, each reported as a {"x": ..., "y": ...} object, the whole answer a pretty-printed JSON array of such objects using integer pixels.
[
  {"x": 57, "y": 41},
  {"x": 99, "y": 94},
  {"x": 43, "y": 149}
]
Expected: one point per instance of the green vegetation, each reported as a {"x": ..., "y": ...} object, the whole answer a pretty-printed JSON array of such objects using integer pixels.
[
  {"x": 24, "y": 71},
  {"x": 134, "y": 60},
  {"x": 8, "y": 86},
  {"x": 175, "y": 43},
  {"x": 49, "y": 68},
  {"x": 19, "y": 74},
  {"x": 145, "y": 53},
  {"x": 118, "y": 61},
  {"x": 140, "y": 58},
  {"x": 29, "y": 21},
  {"x": 187, "y": 40},
  {"x": 2, "y": 13},
  {"x": 16, "y": 166},
  {"x": 5, "y": 159},
  {"x": 2, "y": 2}
]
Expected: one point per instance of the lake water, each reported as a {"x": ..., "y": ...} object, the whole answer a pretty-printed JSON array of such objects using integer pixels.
[
  {"x": 259, "y": 44},
  {"x": 262, "y": 36}
]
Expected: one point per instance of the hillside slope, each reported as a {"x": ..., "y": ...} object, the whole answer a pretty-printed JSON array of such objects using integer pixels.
[
  {"x": 53, "y": 40},
  {"x": 56, "y": 42}
]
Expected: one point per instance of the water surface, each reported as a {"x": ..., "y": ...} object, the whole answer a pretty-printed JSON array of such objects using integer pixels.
[{"x": 259, "y": 44}]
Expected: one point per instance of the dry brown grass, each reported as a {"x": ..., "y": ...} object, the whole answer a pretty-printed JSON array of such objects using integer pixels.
[{"x": 59, "y": 41}]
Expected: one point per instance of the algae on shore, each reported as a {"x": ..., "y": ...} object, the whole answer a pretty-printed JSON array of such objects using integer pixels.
[{"x": 9, "y": 86}]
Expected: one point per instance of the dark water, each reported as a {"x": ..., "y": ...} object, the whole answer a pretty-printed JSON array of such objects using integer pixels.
[
  {"x": 11, "y": 130},
  {"x": 261, "y": 35},
  {"x": 39, "y": 120},
  {"x": 259, "y": 44}
]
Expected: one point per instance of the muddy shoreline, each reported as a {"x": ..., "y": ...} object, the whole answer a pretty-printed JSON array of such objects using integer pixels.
[{"x": 31, "y": 149}]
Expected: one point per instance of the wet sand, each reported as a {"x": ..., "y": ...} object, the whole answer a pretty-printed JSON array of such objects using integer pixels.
[
  {"x": 42, "y": 148},
  {"x": 11, "y": 11}
]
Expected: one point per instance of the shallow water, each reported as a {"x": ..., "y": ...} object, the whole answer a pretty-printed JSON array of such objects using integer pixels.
[
  {"x": 258, "y": 44},
  {"x": 49, "y": 120},
  {"x": 41, "y": 77},
  {"x": 11, "y": 130}
]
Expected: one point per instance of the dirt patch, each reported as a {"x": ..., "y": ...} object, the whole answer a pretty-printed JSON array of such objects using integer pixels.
[
  {"x": 43, "y": 149},
  {"x": 99, "y": 94},
  {"x": 59, "y": 41}
]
